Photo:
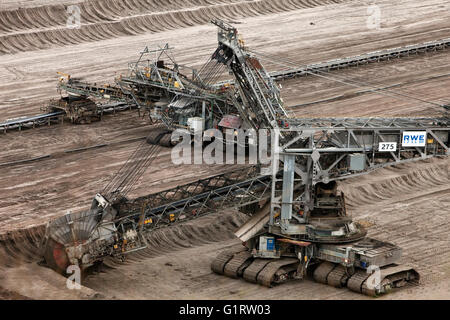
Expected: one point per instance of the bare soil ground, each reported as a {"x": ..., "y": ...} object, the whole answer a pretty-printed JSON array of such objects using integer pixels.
[{"x": 407, "y": 205}]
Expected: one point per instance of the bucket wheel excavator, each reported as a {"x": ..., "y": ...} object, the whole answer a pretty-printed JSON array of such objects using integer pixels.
[
  {"x": 298, "y": 223},
  {"x": 307, "y": 226}
]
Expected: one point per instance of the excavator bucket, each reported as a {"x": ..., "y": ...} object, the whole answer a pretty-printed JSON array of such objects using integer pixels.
[
  {"x": 70, "y": 230},
  {"x": 55, "y": 256}
]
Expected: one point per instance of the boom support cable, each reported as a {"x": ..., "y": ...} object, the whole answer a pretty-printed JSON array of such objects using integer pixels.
[{"x": 351, "y": 82}]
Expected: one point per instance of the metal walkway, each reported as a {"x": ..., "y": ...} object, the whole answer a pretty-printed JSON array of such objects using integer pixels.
[
  {"x": 56, "y": 117},
  {"x": 233, "y": 189}
]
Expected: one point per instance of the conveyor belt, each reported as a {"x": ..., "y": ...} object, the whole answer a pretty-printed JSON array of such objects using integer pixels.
[
  {"x": 31, "y": 121},
  {"x": 376, "y": 56},
  {"x": 55, "y": 117},
  {"x": 371, "y": 57},
  {"x": 199, "y": 198}
]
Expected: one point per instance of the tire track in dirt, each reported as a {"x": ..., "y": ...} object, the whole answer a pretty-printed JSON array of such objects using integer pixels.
[{"x": 45, "y": 27}]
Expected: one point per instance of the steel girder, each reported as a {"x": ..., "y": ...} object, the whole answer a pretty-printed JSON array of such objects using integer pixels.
[
  {"x": 312, "y": 151},
  {"x": 228, "y": 190}
]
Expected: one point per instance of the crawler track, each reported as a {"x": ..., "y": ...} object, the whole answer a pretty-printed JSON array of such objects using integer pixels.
[
  {"x": 270, "y": 272},
  {"x": 266, "y": 272}
]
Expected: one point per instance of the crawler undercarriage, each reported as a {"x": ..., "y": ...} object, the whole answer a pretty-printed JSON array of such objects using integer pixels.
[
  {"x": 270, "y": 272},
  {"x": 327, "y": 246},
  {"x": 160, "y": 135}
]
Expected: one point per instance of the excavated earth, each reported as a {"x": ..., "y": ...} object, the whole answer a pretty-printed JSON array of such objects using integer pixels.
[{"x": 407, "y": 204}]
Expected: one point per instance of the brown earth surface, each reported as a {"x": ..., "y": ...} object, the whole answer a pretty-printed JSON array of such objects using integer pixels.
[{"x": 407, "y": 204}]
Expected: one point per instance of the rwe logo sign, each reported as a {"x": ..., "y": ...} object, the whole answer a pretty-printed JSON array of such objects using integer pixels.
[{"x": 414, "y": 138}]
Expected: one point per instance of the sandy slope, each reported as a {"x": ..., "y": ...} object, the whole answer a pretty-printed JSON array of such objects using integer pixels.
[{"x": 43, "y": 27}]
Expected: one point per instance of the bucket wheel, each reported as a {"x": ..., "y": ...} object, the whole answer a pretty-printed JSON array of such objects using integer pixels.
[{"x": 70, "y": 230}]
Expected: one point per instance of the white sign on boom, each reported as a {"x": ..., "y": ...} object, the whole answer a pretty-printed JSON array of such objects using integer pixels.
[
  {"x": 414, "y": 138},
  {"x": 387, "y": 146}
]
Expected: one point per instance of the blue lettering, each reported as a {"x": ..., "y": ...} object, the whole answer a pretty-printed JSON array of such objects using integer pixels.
[{"x": 414, "y": 139}]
